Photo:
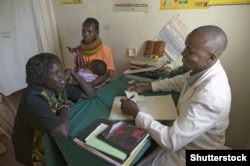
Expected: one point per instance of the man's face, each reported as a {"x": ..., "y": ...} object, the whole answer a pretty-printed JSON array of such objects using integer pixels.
[
  {"x": 54, "y": 78},
  {"x": 89, "y": 33},
  {"x": 195, "y": 55}
]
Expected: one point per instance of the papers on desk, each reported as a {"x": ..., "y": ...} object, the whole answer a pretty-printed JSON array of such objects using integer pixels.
[
  {"x": 160, "y": 107},
  {"x": 90, "y": 141}
]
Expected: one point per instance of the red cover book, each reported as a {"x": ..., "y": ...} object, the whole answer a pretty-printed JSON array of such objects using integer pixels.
[{"x": 124, "y": 136}]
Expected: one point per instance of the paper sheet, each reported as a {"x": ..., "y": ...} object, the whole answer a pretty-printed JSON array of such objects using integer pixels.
[
  {"x": 135, "y": 94},
  {"x": 160, "y": 107}
]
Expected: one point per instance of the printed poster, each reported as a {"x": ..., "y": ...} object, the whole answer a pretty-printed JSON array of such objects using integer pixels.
[
  {"x": 228, "y": 2},
  {"x": 132, "y": 5},
  {"x": 184, "y": 4},
  {"x": 70, "y": 1},
  {"x": 174, "y": 34}
]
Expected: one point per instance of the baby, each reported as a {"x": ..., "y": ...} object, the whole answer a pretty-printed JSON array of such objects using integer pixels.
[{"x": 95, "y": 68}]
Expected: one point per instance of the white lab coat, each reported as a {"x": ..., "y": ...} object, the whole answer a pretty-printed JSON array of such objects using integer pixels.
[{"x": 203, "y": 117}]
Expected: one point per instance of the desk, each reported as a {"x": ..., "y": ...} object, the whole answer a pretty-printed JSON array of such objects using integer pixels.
[{"x": 81, "y": 115}]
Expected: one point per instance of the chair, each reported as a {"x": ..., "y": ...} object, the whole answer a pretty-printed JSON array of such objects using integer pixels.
[
  {"x": 7, "y": 115},
  {"x": 2, "y": 149}
]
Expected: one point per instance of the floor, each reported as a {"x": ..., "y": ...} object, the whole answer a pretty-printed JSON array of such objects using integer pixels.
[{"x": 8, "y": 158}]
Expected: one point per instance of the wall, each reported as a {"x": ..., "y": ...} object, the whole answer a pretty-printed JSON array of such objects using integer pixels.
[{"x": 123, "y": 30}]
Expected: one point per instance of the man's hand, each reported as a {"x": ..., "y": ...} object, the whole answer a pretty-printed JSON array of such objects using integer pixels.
[
  {"x": 129, "y": 107},
  {"x": 140, "y": 89},
  {"x": 137, "y": 89}
]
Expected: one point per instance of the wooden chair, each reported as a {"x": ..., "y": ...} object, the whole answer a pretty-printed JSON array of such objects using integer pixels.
[{"x": 7, "y": 115}]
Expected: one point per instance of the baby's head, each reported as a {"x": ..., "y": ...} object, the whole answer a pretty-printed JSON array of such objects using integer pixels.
[{"x": 98, "y": 67}]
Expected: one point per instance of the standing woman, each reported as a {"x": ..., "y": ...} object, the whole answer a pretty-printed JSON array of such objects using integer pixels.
[{"x": 43, "y": 107}]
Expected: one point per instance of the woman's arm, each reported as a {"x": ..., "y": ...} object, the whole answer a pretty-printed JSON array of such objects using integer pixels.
[
  {"x": 62, "y": 130},
  {"x": 100, "y": 79},
  {"x": 87, "y": 91}
]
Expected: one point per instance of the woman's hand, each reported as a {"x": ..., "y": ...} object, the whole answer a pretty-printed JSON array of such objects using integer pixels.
[{"x": 67, "y": 74}]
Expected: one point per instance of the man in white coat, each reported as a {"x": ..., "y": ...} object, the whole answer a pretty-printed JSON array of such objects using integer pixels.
[{"x": 203, "y": 106}]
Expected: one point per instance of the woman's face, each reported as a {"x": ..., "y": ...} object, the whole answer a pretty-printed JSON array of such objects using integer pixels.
[
  {"x": 54, "y": 78},
  {"x": 89, "y": 33}
]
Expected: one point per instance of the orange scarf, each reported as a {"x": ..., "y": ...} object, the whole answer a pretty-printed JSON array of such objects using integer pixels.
[{"x": 90, "y": 49}]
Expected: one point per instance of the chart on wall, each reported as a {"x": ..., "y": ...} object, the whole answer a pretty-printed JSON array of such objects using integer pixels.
[
  {"x": 173, "y": 34},
  {"x": 70, "y": 1},
  {"x": 228, "y": 2},
  {"x": 184, "y": 4},
  {"x": 132, "y": 5},
  {"x": 197, "y": 4}
]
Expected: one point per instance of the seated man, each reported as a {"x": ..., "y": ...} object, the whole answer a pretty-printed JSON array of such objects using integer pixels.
[{"x": 203, "y": 106}]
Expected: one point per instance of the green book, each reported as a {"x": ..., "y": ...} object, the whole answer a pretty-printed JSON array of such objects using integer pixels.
[{"x": 93, "y": 141}]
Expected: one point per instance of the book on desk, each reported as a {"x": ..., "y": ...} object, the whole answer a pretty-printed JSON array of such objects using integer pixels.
[
  {"x": 148, "y": 74},
  {"x": 159, "y": 107},
  {"x": 115, "y": 142}
]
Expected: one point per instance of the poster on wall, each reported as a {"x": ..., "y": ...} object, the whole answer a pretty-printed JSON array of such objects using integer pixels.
[
  {"x": 184, "y": 4},
  {"x": 173, "y": 34},
  {"x": 132, "y": 5},
  {"x": 228, "y": 2},
  {"x": 70, "y": 1}
]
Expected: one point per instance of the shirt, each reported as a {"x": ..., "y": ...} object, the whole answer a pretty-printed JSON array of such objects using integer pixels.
[
  {"x": 36, "y": 114},
  {"x": 104, "y": 54}
]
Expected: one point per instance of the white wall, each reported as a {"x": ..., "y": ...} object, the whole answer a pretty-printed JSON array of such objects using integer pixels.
[{"x": 123, "y": 30}]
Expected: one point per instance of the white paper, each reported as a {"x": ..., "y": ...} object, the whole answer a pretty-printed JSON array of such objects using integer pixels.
[
  {"x": 160, "y": 107},
  {"x": 135, "y": 94}
]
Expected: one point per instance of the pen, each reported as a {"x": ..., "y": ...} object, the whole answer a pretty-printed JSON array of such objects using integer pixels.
[{"x": 131, "y": 97}]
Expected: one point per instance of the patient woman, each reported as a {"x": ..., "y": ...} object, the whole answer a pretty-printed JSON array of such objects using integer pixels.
[
  {"x": 91, "y": 47},
  {"x": 43, "y": 107}
]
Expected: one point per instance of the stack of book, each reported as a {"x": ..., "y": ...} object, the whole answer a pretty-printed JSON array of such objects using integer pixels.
[
  {"x": 116, "y": 142},
  {"x": 148, "y": 74},
  {"x": 142, "y": 62}
]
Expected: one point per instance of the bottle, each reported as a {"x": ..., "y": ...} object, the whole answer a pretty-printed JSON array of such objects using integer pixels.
[{"x": 168, "y": 67}]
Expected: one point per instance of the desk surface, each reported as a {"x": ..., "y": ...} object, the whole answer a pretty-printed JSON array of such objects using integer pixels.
[{"x": 81, "y": 115}]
